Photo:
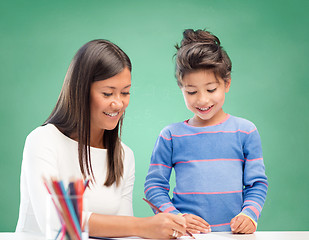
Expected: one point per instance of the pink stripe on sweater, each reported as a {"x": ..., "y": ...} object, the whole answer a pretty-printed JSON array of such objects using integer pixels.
[
  {"x": 155, "y": 187},
  {"x": 169, "y": 209},
  {"x": 256, "y": 212},
  {"x": 256, "y": 159},
  {"x": 263, "y": 183},
  {"x": 260, "y": 182},
  {"x": 193, "y": 134},
  {"x": 211, "y": 160},
  {"x": 225, "y": 119},
  {"x": 166, "y": 138},
  {"x": 165, "y": 204},
  {"x": 253, "y": 202},
  {"x": 218, "y": 225},
  {"x": 158, "y": 164},
  {"x": 207, "y": 192}
]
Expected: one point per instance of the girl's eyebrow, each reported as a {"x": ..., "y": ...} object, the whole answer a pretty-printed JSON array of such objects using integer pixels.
[{"x": 190, "y": 85}]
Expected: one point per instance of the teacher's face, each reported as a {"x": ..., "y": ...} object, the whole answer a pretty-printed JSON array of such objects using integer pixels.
[{"x": 108, "y": 100}]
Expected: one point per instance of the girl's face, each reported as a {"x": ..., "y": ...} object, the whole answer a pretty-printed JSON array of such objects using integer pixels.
[
  {"x": 204, "y": 95},
  {"x": 108, "y": 100}
]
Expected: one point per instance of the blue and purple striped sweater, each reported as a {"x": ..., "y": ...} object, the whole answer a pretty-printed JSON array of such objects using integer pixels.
[{"x": 219, "y": 171}]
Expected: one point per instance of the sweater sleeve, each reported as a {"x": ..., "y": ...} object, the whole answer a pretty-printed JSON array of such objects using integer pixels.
[
  {"x": 255, "y": 180},
  {"x": 157, "y": 181}
]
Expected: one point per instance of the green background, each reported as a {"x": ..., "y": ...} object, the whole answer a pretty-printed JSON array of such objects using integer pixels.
[{"x": 266, "y": 40}]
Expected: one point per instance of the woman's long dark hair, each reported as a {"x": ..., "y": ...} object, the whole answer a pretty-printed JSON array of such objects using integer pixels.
[{"x": 97, "y": 60}]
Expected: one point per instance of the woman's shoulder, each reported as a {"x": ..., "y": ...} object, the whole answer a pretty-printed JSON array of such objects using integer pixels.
[
  {"x": 47, "y": 131},
  {"x": 47, "y": 135},
  {"x": 128, "y": 160},
  {"x": 127, "y": 150}
]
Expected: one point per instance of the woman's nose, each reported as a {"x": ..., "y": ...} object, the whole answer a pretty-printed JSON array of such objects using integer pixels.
[{"x": 117, "y": 103}]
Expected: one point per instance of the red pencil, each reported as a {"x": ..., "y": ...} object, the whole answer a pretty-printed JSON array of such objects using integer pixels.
[
  {"x": 79, "y": 189},
  {"x": 157, "y": 209},
  {"x": 73, "y": 232}
]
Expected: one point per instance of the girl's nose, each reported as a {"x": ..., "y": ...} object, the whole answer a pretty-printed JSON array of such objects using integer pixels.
[{"x": 203, "y": 99}]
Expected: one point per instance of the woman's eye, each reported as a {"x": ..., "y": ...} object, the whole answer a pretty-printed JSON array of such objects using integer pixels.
[
  {"x": 212, "y": 90},
  {"x": 107, "y": 94},
  {"x": 125, "y": 93},
  {"x": 192, "y": 93}
]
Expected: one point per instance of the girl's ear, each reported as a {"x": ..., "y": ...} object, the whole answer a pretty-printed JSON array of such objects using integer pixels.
[{"x": 227, "y": 85}]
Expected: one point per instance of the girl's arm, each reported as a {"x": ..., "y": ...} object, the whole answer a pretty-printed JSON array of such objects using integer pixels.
[
  {"x": 157, "y": 185},
  {"x": 255, "y": 180},
  {"x": 159, "y": 226}
]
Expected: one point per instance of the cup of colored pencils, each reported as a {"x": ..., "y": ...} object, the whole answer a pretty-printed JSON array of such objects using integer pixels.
[{"x": 66, "y": 209}]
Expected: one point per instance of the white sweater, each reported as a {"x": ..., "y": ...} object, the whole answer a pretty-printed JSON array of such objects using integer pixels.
[{"x": 50, "y": 153}]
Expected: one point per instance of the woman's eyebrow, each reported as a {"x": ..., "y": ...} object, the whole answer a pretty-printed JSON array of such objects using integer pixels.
[
  {"x": 112, "y": 87},
  {"x": 127, "y": 86}
]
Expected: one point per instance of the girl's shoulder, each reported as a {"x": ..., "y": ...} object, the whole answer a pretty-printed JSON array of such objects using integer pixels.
[
  {"x": 242, "y": 124},
  {"x": 173, "y": 129}
]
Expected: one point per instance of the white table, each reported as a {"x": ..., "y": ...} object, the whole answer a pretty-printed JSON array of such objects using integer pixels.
[{"x": 260, "y": 235}]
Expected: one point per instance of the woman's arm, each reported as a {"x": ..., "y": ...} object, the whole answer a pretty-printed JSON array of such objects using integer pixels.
[
  {"x": 39, "y": 159},
  {"x": 161, "y": 225}
]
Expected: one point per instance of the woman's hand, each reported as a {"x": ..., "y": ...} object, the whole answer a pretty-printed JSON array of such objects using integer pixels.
[
  {"x": 163, "y": 225},
  {"x": 242, "y": 224},
  {"x": 196, "y": 224}
]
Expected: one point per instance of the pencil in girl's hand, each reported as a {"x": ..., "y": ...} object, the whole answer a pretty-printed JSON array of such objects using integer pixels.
[
  {"x": 151, "y": 205},
  {"x": 157, "y": 209}
]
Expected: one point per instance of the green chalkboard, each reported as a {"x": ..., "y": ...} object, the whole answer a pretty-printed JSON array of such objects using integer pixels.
[{"x": 266, "y": 40}]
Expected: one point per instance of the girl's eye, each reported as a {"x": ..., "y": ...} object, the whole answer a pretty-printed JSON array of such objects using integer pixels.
[
  {"x": 212, "y": 90},
  {"x": 125, "y": 93},
  {"x": 107, "y": 94},
  {"x": 192, "y": 93}
]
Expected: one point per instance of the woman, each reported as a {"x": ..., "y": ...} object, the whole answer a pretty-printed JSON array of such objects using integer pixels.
[{"x": 81, "y": 138}]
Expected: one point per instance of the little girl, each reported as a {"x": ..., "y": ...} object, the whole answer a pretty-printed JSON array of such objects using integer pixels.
[{"x": 220, "y": 175}]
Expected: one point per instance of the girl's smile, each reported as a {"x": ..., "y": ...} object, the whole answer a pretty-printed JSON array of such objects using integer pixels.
[
  {"x": 204, "y": 95},
  {"x": 205, "y": 110}
]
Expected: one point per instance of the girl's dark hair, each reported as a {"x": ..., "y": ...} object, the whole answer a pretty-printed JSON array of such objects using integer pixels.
[
  {"x": 201, "y": 50},
  {"x": 97, "y": 60}
]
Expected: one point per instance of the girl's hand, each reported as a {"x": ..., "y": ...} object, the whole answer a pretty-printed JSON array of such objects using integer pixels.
[
  {"x": 242, "y": 224},
  {"x": 196, "y": 224},
  {"x": 163, "y": 225}
]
